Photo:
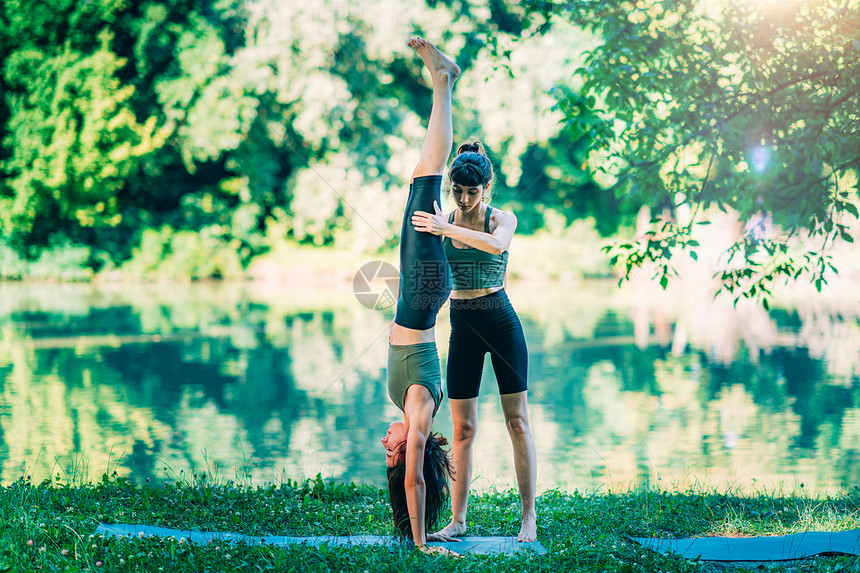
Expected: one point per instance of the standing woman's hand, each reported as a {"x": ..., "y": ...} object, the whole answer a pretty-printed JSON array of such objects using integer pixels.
[{"x": 430, "y": 222}]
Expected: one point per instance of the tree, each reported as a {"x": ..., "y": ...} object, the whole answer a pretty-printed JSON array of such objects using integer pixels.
[
  {"x": 744, "y": 105},
  {"x": 70, "y": 135},
  {"x": 230, "y": 125}
]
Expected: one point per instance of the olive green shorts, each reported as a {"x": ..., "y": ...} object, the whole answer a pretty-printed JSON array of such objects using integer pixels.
[{"x": 414, "y": 364}]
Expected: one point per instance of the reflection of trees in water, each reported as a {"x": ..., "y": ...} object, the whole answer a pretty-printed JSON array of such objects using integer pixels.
[
  {"x": 816, "y": 400},
  {"x": 790, "y": 377},
  {"x": 558, "y": 372},
  {"x": 234, "y": 384},
  {"x": 60, "y": 405},
  {"x": 339, "y": 361},
  {"x": 297, "y": 384},
  {"x": 126, "y": 398},
  {"x": 648, "y": 379}
]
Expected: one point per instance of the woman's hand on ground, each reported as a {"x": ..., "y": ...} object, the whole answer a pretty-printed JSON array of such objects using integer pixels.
[
  {"x": 430, "y": 222},
  {"x": 436, "y": 550}
]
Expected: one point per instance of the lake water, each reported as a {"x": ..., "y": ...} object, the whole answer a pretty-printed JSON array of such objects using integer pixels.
[{"x": 631, "y": 388}]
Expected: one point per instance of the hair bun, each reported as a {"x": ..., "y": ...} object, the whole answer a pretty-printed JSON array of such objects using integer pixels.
[{"x": 473, "y": 147}]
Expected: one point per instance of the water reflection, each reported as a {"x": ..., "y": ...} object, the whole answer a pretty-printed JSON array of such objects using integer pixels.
[{"x": 252, "y": 382}]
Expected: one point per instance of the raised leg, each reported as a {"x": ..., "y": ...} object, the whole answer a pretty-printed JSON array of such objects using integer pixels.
[
  {"x": 515, "y": 408},
  {"x": 440, "y": 130},
  {"x": 464, "y": 415},
  {"x": 434, "y": 156}
]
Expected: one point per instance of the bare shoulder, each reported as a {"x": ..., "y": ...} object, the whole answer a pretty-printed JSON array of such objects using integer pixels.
[
  {"x": 501, "y": 214},
  {"x": 501, "y": 217}
]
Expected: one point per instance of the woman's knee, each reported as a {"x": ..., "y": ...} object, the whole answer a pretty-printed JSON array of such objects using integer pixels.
[
  {"x": 518, "y": 426},
  {"x": 464, "y": 431}
]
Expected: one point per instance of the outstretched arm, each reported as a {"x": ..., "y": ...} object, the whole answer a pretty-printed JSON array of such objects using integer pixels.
[
  {"x": 496, "y": 242},
  {"x": 419, "y": 411}
]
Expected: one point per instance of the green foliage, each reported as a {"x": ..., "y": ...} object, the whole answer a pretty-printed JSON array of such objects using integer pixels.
[
  {"x": 62, "y": 261},
  {"x": 71, "y": 137},
  {"x": 554, "y": 177},
  {"x": 252, "y": 122},
  {"x": 749, "y": 106},
  {"x": 318, "y": 488},
  {"x": 184, "y": 255},
  {"x": 559, "y": 251}
]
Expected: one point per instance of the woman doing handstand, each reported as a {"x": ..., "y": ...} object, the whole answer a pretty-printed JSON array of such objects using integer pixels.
[{"x": 418, "y": 467}]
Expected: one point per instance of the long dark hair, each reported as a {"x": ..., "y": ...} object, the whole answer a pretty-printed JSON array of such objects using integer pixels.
[
  {"x": 472, "y": 167},
  {"x": 437, "y": 470}
]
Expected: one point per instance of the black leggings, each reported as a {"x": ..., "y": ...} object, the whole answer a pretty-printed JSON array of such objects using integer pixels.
[
  {"x": 480, "y": 325},
  {"x": 425, "y": 278}
]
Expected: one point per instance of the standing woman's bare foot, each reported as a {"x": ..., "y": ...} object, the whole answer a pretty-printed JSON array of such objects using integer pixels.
[
  {"x": 440, "y": 67},
  {"x": 451, "y": 531}
]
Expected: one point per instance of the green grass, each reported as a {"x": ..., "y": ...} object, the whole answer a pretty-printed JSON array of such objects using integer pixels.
[{"x": 49, "y": 526}]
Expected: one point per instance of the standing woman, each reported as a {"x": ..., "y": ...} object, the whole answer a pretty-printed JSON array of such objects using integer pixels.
[
  {"x": 418, "y": 467},
  {"x": 476, "y": 241}
]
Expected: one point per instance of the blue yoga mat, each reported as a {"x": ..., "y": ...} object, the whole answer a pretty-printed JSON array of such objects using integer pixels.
[
  {"x": 471, "y": 545},
  {"x": 770, "y": 548}
]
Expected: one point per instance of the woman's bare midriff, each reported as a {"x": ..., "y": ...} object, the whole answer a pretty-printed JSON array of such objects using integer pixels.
[{"x": 401, "y": 336}]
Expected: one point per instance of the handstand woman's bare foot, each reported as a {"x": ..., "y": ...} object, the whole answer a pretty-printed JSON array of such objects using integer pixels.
[
  {"x": 528, "y": 530},
  {"x": 440, "y": 67}
]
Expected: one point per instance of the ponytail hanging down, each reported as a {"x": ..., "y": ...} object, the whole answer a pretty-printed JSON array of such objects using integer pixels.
[{"x": 472, "y": 167}]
